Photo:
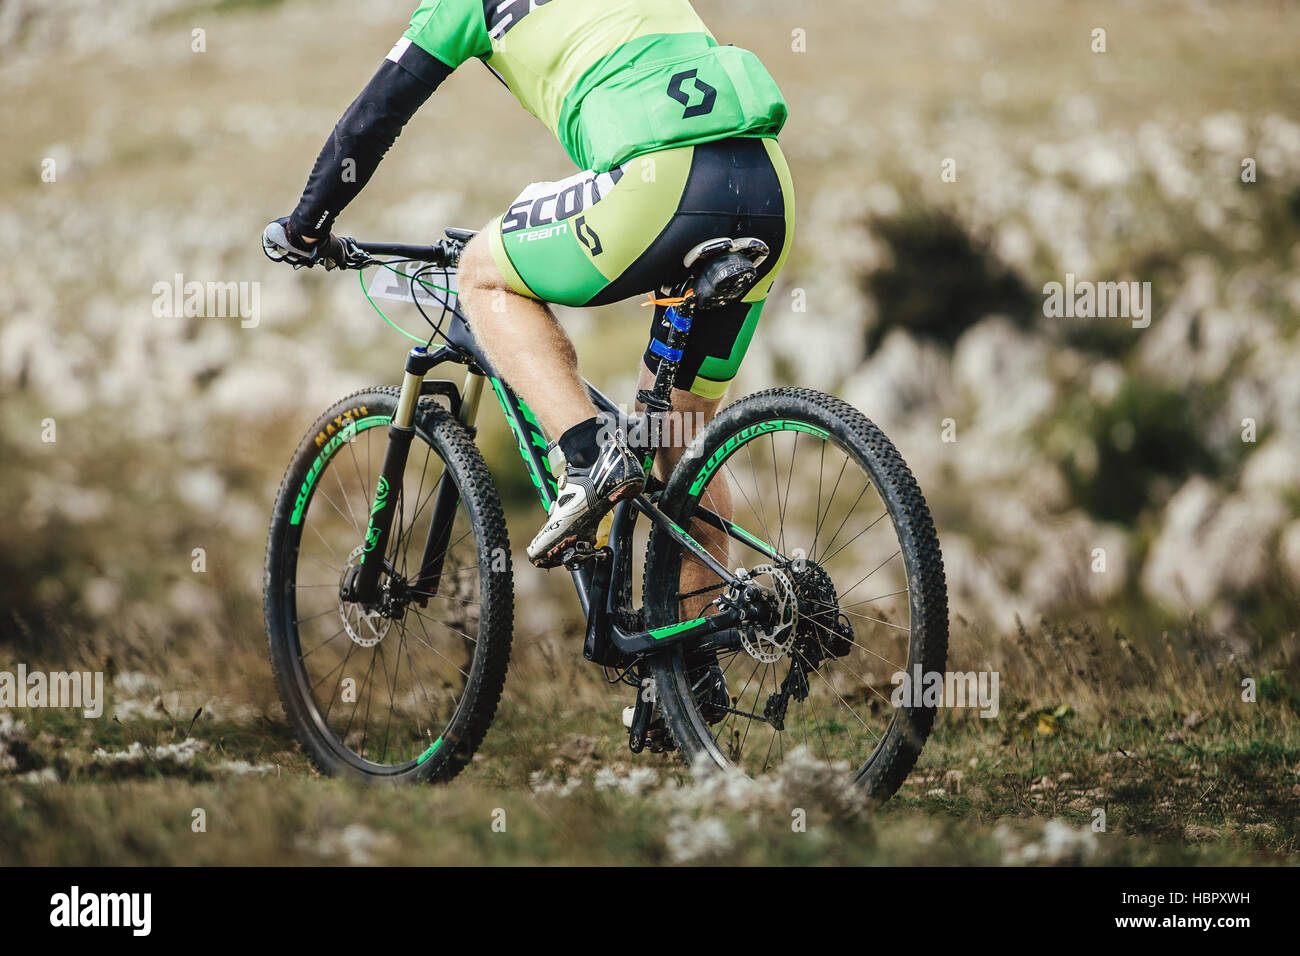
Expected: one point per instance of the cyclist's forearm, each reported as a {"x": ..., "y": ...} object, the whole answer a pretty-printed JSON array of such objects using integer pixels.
[{"x": 364, "y": 134}]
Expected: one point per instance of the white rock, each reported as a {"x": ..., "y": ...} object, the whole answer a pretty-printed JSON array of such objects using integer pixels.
[
  {"x": 1275, "y": 467},
  {"x": 1289, "y": 550},
  {"x": 904, "y": 377},
  {"x": 1210, "y": 546}
]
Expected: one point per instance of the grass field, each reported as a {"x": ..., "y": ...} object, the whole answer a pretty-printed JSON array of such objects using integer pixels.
[{"x": 1179, "y": 776}]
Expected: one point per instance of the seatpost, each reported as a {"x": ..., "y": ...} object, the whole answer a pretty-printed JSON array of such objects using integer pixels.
[{"x": 658, "y": 400}]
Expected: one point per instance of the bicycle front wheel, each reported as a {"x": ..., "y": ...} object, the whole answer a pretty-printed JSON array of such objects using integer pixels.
[
  {"x": 405, "y": 690},
  {"x": 828, "y": 519}
]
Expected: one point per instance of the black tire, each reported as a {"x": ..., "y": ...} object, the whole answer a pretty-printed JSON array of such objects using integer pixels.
[
  {"x": 477, "y": 594},
  {"x": 860, "y": 442}
]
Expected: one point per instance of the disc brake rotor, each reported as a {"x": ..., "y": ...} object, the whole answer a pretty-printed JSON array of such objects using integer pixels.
[
  {"x": 769, "y": 644},
  {"x": 366, "y": 628}
]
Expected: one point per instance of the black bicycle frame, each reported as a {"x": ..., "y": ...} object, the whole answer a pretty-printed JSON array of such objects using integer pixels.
[{"x": 604, "y": 582}]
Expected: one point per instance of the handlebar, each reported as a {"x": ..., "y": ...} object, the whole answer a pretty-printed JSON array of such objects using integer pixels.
[
  {"x": 342, "y": 252},
  {"x": 353, "y": 254},
  {"x": 434, "y": 253}
]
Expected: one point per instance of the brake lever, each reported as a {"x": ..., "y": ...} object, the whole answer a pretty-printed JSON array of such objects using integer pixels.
[{"x": 347, "y": 254}]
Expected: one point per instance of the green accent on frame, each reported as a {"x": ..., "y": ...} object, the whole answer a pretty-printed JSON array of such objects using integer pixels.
[
  {"x": 549, "y": 490},
  {"x": 756, "y": 541},
  {"x": 659, "y": 633},
  {"x": 685, "y": 534},
  {"x": 381, "y": 499}
]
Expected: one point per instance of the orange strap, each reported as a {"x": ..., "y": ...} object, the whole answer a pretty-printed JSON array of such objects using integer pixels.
[{"x": 669, "y": 302}]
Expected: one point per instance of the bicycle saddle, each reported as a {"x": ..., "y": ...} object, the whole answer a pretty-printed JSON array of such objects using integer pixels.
[{"x": 723, "y": 270}]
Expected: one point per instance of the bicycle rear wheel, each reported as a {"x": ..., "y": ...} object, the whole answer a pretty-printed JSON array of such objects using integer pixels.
[
  {"x": 831, "y": 510},
  {"x": 406, "y": 694}
]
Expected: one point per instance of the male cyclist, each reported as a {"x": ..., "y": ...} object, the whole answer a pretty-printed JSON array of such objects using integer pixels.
[{"x": 675, "y": 135}]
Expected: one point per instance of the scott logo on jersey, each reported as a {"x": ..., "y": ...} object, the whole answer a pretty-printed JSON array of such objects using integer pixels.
[{"x": 544, "y": 204}]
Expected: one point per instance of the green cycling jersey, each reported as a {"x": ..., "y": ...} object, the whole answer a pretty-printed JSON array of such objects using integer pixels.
[{"x": 612, "y": 79}]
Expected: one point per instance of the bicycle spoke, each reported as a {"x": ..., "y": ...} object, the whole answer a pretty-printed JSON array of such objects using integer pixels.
[
  {"x": 430, "y": 646},
  {"x": 328, "y": 547},
  {"x": 873, "y": 571},
  {"x": 322, "y": 643},
  {"x": 356, "y": 467},
  {"x": 848, "y": 514},
  {"x": 831, "y": 556},
  {"x": 347, "y": 500},
  {"x": 822, "y": 517},
  {"x": 757, "y": 491},
  {"x": 433, "y": 620},
  {"x": 735, "y": 483},
  {"x": 304, "y": 620}
]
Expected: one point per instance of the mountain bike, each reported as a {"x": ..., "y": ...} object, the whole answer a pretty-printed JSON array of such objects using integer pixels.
[{"x": 389, "y": 590}]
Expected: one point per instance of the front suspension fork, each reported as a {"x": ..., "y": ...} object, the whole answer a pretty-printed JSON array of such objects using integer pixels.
[
  {"x": 446, "y": 502},
  {"x": 362, "y": 585}
]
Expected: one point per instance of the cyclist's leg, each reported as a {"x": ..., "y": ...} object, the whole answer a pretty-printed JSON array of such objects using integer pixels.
[
  {"x": 691, "y": 412},
  {"x": 720, "y": 338},
  {"x": 597, "y": 238},
  {"x": 564, "y": 242},
  {"x": 718, "y": 343},
  {"x": 523, "y": 341}
]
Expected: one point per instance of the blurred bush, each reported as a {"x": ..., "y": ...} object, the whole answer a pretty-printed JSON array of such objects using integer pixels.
[
  {"x": 1140, "y": 445},
  {"x": 939, "y": 278}
]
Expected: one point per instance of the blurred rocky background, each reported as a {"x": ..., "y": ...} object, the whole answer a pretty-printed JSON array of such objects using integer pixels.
[{"x": 951, "y": 159}]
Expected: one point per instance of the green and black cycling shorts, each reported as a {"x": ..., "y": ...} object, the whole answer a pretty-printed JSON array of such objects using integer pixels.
[{"x": 596, "y": 238}]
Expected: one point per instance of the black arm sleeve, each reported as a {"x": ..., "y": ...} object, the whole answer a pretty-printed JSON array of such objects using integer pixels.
[{"x": 362, "y": 137}]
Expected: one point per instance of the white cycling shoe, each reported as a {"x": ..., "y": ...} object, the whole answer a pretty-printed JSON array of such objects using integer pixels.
[{"x": 585, "y": 496}]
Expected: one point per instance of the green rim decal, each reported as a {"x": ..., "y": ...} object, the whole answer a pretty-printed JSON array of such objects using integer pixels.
[
  {"x": 744, "y": 436},
  {"x": 429, "y": 753},
  {"x": 659, "y": 633},
  {"x": 326, "y": 452},
  {"x": 550, "y": 490}
]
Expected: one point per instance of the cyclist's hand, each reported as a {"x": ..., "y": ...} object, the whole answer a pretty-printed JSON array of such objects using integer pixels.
[{"x": 281, "y": 245}]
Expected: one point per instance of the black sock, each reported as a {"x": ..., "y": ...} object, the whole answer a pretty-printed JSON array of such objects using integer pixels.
[{"x": 580, "y": 444}]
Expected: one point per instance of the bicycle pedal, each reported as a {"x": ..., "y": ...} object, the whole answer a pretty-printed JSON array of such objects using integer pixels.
[
  {"x": 659, "y": 740},
  {"x": 581, "y": 553}
]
